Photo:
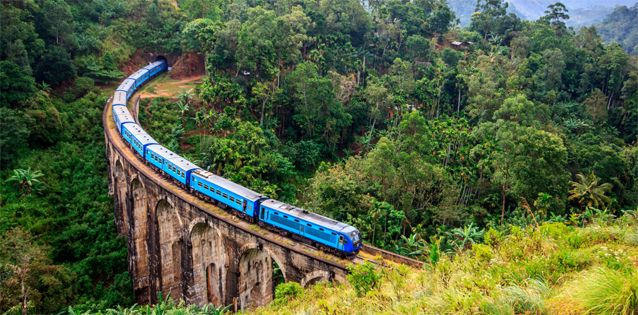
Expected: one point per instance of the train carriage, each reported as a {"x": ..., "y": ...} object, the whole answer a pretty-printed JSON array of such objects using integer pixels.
[
  {"x": 320, "y": 229},
  {"x": 137, "y": 137},
  {"x": 127, "y": 87},
  {"x": 119, "y": 98},
  {"x": 235, "y": 196},
  {"x": 170, "y": 163},
  {"x": 140, "y": 77},
  {"x": 122, "y": 116},
  {"x": 156, "y": 67}
]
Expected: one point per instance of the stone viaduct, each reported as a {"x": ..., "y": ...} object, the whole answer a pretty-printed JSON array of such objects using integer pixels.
[{"x": 182, "y": 246}]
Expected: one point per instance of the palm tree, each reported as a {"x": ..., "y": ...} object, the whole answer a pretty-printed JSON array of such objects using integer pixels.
[
  {"x": 589, "y": 192},
  {"x": 26, "y": 180}
]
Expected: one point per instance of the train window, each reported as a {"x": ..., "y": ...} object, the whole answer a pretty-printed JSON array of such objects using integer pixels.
[
  {"x": 212, "y": 189},
  {"x": 285, "y": 216},
  {"x": 218, "y": 192},
  {"x": 320, "y": 229},
  {"x": 225, "y": 195},
  {"x": 205, "y": 186},
  {"x": 199, "y": 184},
  {"x": 296, "y": 220},
  {"x": 277, "y": 213},
  {"x": 308, "y": 224},
  {"x": 333, "y": 233},
  {"x": 232, "y": 198},
  {"x": 238, "y": 201}
]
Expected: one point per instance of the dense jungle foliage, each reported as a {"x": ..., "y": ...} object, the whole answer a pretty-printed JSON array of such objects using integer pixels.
[{"x": 387, "y": 115}]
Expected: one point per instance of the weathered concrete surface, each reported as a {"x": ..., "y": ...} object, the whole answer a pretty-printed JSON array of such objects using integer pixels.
[{"x": 181, "y": 246}]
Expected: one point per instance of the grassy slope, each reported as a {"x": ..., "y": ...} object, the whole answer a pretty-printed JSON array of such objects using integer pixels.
[{"x": 554, "y": 269}]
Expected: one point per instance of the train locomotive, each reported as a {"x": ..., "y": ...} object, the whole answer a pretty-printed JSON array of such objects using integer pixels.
[{"x": 322, "y": 232}]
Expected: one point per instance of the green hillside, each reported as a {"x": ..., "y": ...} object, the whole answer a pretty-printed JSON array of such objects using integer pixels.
[{"x": 552, "y": 269}]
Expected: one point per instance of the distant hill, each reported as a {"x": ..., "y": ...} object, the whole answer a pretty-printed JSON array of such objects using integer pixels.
[
  {"x": 621, "y": 26},
  {"x": 582, "y": 12}
]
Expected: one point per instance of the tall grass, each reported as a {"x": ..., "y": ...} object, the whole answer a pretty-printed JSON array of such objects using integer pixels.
[
  {"x": 553, "y": 269},
  {"x": 605, "y": 291}
]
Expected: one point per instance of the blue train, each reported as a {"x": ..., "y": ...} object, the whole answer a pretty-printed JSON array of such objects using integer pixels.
[{"x": 325, "y": 233}]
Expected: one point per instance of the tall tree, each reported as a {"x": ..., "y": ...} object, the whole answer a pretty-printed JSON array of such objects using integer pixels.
[
  {"x": 317, "y": 111},
  {"x": 556, "y": 15},
  {"x": 493, "y": 21}
]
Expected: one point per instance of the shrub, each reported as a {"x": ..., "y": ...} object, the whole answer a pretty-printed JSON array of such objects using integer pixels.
[
  {"x": 434, "y": 253},
  {"x": 287, "y": 291},
  {"x": 606, "y": 291},
  {"x": 363, "y": 278},
  {"x": 556, "y": 230},
  {"x": 483, "y": 253},
  {"x": 492, "y": 237}
]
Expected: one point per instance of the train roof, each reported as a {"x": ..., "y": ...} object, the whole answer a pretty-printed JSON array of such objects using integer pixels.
[
  {"x": 119, "y": 98},
  {"x": 126, "y": 85},
  {"x": 175, "y": 158},
  {"x": 308, "y": 216},
  {"x": 138, "y": 74},
  {"x": 229, "y": 185},
  {"x": 139, "y": 134},
  {"x": 183, "y": 163},
  {"x": 123, "y": 114},
  {"x": 162, "y": 151},
  {"x": 153, "y": 65}
]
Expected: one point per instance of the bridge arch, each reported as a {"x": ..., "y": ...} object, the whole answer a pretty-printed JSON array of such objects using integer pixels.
[
  {"x": 315, "y": 277},
  {"x": 169, "y": 226},
  {"x": 256, "y": 273},
  {"x": 209, "y": 263}
]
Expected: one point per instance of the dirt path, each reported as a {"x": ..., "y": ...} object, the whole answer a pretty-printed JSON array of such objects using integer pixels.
[{"x": 164, "y": 86}]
